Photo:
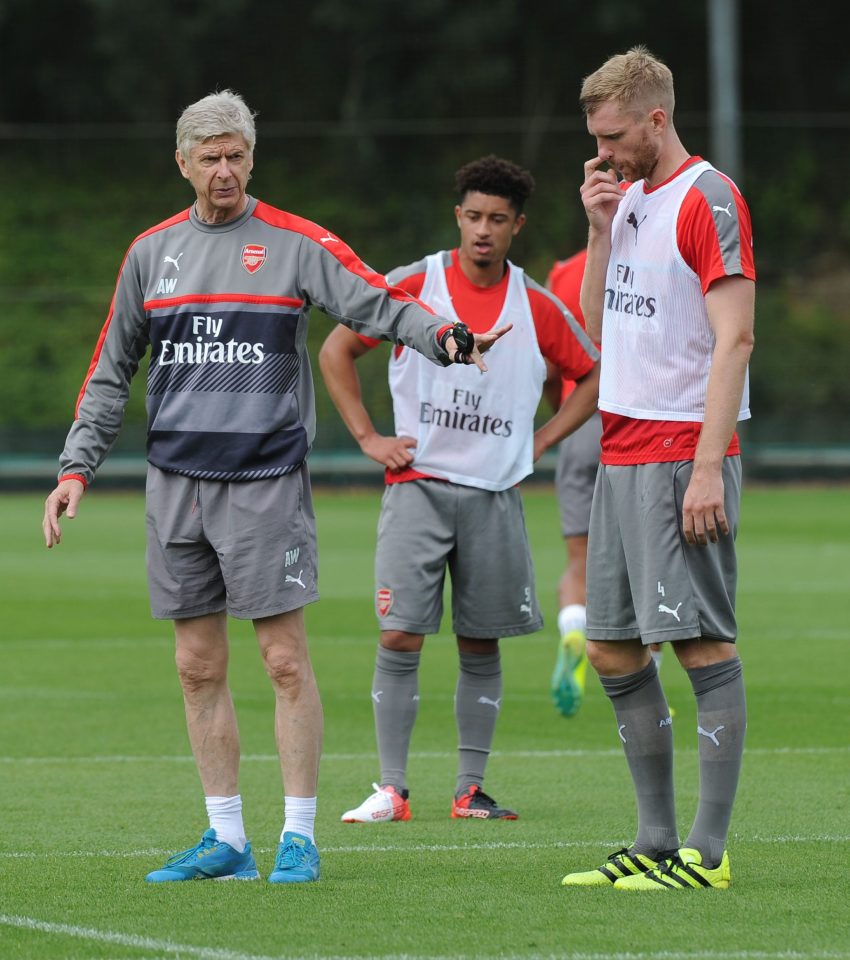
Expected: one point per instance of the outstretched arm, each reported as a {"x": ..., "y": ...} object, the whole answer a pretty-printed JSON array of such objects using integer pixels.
[
  {"x": 465, "y": 347},
  {"x": 337, "y": 359},
  {"x": 337, "y": 281}
]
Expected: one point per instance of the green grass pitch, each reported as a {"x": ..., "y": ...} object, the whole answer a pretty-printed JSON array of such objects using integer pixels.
[{"x": 97, "y": 785}]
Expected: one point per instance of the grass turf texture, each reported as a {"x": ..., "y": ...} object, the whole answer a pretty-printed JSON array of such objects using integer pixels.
[{"x": 97, "y": 785}]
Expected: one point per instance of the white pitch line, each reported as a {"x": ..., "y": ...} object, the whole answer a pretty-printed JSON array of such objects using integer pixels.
[
  {"x": 214, "y": 953},
  {"x": 318, "y": 641},
  {"x": 412, "y": 847},
  {"x": 417, "y": 755},
  {"x": 355, "y": 848},
  {"x": 124, "y": 939}
]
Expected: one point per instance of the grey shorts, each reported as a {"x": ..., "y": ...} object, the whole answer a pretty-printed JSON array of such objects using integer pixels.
[
  {"x": 643, "y": 579},
  {"x": 428, "y": 526},
  {"x": 248, "y": 548},
  {"x": 575, "y": 476}
]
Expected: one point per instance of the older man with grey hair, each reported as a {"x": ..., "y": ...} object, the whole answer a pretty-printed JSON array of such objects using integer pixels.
[{"x": 221, "y": 293}]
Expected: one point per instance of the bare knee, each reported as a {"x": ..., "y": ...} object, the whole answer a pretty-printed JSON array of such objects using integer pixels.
[
  {"x": 617, "y": 659},
  {"x": 701, "y": 652},
  {"x": 198, "y": 672},
  {"x": 287, "y": 668},
  {"x": 402, "y": 641},
  {"x": 477, "y": 645}
]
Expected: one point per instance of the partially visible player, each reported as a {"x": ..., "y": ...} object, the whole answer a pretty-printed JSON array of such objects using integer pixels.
[
  {"x": 575, "y": 477},
  {"x": 452, "y": 502}
]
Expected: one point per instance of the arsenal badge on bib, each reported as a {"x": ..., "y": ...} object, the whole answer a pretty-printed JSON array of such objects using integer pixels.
[
  {"x": 253, "y": 256},
  {"x": 383, "y": 601}
]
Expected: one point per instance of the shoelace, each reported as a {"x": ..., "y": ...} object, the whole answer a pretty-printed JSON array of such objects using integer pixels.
[
  {"x": 617, "y": 857},
  {"x": 382, "y": 794},
  {"x": 670, "y": 863},
  {"x": 484, "y": 798},
  {"x": 292, "y": 855},
  {"x": 188, "y": 854},
  {"x": 385, "y": 796}
]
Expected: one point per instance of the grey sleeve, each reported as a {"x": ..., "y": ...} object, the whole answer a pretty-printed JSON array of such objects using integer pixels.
[
  {"x": 100, "y": 409},
  {"x": 341, "y": 285}
]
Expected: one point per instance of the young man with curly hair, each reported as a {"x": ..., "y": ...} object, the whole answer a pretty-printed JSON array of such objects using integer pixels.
[{"x": 451, "y": 501}]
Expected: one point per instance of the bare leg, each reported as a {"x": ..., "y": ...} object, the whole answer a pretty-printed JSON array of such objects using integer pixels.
[
  {"x": 299, "y": 724},
  {"x": 202, "y": 655},
  {"x": 569, "y": 677},
  {"x": 572, "y": 587}
]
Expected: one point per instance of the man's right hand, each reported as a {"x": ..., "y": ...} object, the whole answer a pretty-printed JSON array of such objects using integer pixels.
[
  {"x": 481, "y": 343},
  {"x": 64, "y": 499},
  {"x": 600, "y": 194},
  {"x": 394, "y": 453}
]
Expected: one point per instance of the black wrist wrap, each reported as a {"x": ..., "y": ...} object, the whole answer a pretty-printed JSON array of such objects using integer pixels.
[{"x": 465, "y": 340}]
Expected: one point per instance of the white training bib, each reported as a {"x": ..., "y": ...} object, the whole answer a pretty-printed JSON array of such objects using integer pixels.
[
  {"x": 472, "y": 428},
  {"x": 657, "y": 341}
]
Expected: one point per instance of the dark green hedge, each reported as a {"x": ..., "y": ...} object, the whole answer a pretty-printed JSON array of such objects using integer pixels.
[{"x": 76, "y": 206}]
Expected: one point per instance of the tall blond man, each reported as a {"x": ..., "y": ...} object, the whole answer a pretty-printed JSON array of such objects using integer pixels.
[{"x": 669, "y": 290}]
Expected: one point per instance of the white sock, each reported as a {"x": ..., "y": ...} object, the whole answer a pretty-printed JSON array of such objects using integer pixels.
[
  {"x": 572, "y": 617},
  {"x": 225, "y": 815},
  {"x": 656, "y": 656},
  {"x": 299, "y": 816}
]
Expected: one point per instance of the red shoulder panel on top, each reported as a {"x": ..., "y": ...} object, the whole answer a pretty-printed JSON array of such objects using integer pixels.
[
  {"x": 177, "y": 218},
  {"x": 336, "y": 248}
]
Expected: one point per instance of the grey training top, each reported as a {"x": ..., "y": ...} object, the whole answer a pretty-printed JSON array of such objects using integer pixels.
[{"x": 225, "y": 310}]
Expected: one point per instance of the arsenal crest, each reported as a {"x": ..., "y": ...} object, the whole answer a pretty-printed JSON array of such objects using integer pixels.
[
  {"x": 253, "y": 256},
  {"x": 383, "y": 601}
]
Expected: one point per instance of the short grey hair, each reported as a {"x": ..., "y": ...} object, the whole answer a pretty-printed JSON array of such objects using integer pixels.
[{"x": 214, "y": 115}]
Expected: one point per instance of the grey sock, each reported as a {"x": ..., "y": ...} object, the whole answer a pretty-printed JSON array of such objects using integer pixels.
[
  {"x": 478, "y": 699},
  {"x": 646, "y": 732},
  {"x": 395, "y": 702},
  {"x": 721, "y": 724}
]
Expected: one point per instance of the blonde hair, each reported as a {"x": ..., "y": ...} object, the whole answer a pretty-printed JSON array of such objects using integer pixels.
[
  {"x": 219, "y": 113},
  {"x": 635, "y": 80}
]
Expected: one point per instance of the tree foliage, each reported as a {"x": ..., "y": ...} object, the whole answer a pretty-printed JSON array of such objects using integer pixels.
[{"x": 364, "y": 112}]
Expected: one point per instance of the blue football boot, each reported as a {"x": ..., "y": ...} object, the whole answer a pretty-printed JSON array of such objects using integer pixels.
[
  {"x": 211, "y": 859},
  {"x": 297, "y": 860}
]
